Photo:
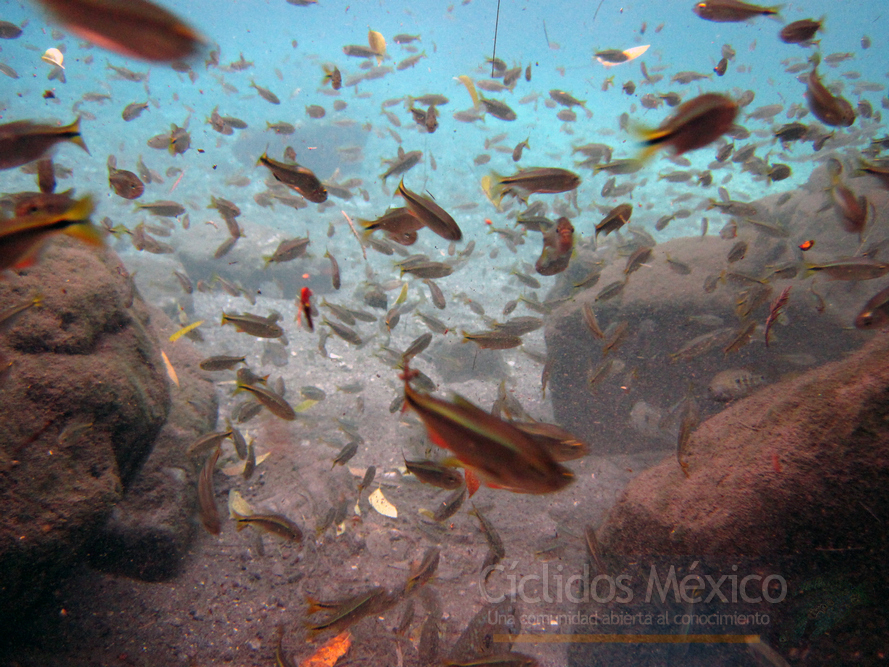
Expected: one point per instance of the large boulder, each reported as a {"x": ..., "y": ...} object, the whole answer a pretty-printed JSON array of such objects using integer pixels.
[
  {"x": 665, "y": 308},
  {"x": 84, "y": 395}
]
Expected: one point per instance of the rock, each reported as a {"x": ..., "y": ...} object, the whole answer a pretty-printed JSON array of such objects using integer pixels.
[
  {"x": 786, "y": 470},
  {"x": 665, "y": 309},
  {"x": 83, "y": 401},
  {"x": 149, "y": 530}
]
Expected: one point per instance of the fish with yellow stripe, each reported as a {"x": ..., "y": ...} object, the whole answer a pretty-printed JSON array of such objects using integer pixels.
[
  {"x": 22, "y": 237},
  {"x": 503, "y": 455}
]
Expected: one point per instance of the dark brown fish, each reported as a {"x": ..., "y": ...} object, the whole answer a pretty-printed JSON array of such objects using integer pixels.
[
  {"x": 221, "y": 363},
  {"x": 125, "y": 183},
  {"x": 298, "y": 178},
  {"x": 133, "y": 28},
  {"x": 695, "y": 124},
  {"x": 529, "y": 181},
  {"x": 799, "y": 32},
  {"x": 24, "y": 141},
  {"x": 830, "y": 109},
  {"x": 9, "y": 30},
  {"x": 615, "y": 219},
  {"x": 435, "y": 474},
  {"x": 731, "y": 11},
  {"x": 498, "y": 109},
  {"x": 875, "y": 312},
  {"x": 431, "y": 214},
  {"x": 558, "y": 244},
  {"x": 207, "y": 509}
]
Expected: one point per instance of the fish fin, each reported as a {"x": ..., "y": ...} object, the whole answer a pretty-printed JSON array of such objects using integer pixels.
[
  {"x": 472, "y": 482},
  {"x": 76, "y": 138},
  {"x": 87, "y": 233}
]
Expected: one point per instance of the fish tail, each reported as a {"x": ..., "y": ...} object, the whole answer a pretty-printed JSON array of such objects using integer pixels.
[
  {"x": 494, "y": 188},
  {"x": 81, "y": 210},
  {"x": 224, "y": 320},
  {"x": 75, "y": 137},
  {"x": 400, "y": 189},
  {"x": 87, "y": 233}
]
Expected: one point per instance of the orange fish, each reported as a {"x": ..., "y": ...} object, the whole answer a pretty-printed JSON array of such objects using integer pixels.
[{"x": 807, "y": 245}]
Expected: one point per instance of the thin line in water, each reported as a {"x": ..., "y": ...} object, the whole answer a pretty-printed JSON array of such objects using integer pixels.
[{"x": 496, "y": 27}]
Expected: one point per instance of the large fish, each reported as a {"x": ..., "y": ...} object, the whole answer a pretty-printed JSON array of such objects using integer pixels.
[
  {"x": 503, "y": 455},
  {"x": 22, "y": 237},
  {"x": 134, "y": 28},
  {"x": 24, "y": 141}
]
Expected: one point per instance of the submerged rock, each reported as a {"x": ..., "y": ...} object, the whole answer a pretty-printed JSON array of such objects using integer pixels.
[
  {"x": 797, "y": 467},
  {"x": 84, "y": 396}
]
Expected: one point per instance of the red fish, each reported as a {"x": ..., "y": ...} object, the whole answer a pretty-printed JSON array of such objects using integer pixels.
[{"x": 305, "y": 297}]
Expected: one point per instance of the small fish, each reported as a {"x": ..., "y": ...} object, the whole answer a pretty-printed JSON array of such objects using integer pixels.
[
  {"x": 431, "y": 214},
  {"x": 300, "y": 179},
  {"x": 544, "y": 180},
  {"x": 695, "y": 124},
  {"x": 498, "y": 109},
  {"x": 125, "y": 183},
  {"x": 343, "y": 613},
  {"x": 520, "y": 147},
  {"x": 288, "y": 250},
  {"x": 346, "y": 454},
  {"x": 133, "y": 111},
  {"x": 492, "y": 340},
  {"x": 448, "y": 507},
  {"x": 269, "y": 399},
  {"x": 615, "y": 219},
  {"x": 422, "y": 572},
  {"x": 731, "y": 11},
  {"x": 344, "y": 332},
  {"x": 435, "y": 474},
  {"x": 775, "y": 310},
  {"x": 731, "y": 385},
  {"x": 333, "y": 76},
  {"x": 856, "y": 268},
  {"x": 875, "y": 312},
  {"x": 261, "y": 327},
  {"x": 305, "y": 303},
  {"x": 265, "y": 93},
  {"x": 207, "y": 509},
  {"x": 830, "y": 109},
  {"x": 800, "y": 31},
  {"x": 11, "y": 314}
]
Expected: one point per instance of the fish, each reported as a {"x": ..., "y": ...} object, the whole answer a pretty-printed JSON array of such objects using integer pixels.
[
  {"x": 775, "y": 310},
  {"x": 296, "y": 177},
  {"x": 568, "y": 100},
  {"x": 547, "y": 180},
  {"x": 434, "y": 474},
  {"x": 689, "y": 418},
  {"x": 125, "y": 183},
  {"x": 305, "y": 303},
  {"x": 422, "y": 572},
  {"x": 11, "y": 314},
  {"x": 288, "y": 250},
  {"x": 346, "y": 454},
  {"x": 448, "y": 507},
  {"x": 261, "y": 327},
  {"x": 428, "y": 270},
  {"x": 730, "y": 385},
  {"x": 492, "y": 340},
  {"x": 208, "y": 442},
  {"x": 615, "y": 219},
  {"x": 133, "y": 111},
  {"x": 855, "y": 268},
  {"x": 502, "y": 454},
  {"x": 344, "y": 332},
  {"x": 273, "y": 402},
  {"x": 163, "y": 209},
  {"x": 830, "y": 109},
  {"x": 207, "y": 510},
  {"x": 133, "y": 28},
  {"x": 731, "y": 11},
  {"x": 24, "y": 141},
  {"x": 9, "y": 30},
  {"x": 402, "y": 163},
  {"x": 800, "y": 31},
  {"x": 343, "y": 613},
  {"x": 23, "y": 237},
  {"x": 333, "y": 76},
  {"x": 520, "y": 147},
  {"x": 498, "y": 109},
  {"x": 265, "y": 93},
  {"x": 875, "y": 312},
  {"x": 315, "y": 111},
  {"x": 431, "y": 214},
  {"x": 695, "y": 124},
  {"x": 557, "y": 248}
]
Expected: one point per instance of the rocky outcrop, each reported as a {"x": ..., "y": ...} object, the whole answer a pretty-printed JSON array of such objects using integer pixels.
[{"x": 84, "y": 397}]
